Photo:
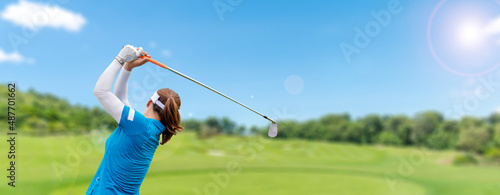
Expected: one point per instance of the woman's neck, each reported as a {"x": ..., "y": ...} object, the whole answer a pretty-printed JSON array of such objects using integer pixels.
[{"x": 151, "y": 114}]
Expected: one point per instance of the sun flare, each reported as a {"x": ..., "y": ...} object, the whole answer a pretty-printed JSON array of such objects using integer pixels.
[{"x": 470, "y": 34}]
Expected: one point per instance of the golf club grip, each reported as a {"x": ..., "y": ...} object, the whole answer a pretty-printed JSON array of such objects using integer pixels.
[{"x": 155, "y": 62}]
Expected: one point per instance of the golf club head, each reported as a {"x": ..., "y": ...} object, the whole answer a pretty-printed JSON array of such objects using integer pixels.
[{"x": 273, "y": 130}]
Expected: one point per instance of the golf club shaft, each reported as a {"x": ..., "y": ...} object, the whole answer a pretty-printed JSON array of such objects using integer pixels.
[{"x": 209, "y": 88}]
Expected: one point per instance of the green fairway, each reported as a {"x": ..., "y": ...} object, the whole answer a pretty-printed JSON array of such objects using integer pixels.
[{"x": 234, "y": 165}]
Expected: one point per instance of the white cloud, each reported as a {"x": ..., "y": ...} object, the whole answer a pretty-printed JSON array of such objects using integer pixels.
[
  {"x": 35, "y": 15},
  {"x": 14, "y": 57},
  {"x": 493, "y": 27}
]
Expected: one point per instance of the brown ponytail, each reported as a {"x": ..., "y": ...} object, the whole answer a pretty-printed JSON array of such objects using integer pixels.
[{"x": 170, "y": 117}]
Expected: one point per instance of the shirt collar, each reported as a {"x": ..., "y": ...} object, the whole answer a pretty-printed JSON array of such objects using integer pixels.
[{"x": 158, "y": 125}]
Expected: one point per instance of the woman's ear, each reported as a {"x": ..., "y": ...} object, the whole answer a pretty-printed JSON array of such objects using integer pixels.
[{"x": 149, "y": 102}]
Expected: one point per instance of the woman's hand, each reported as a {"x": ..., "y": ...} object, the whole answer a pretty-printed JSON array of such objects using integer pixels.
[
  {"x": 128, "y": 53},
  {"x": 137, "y": 62}
]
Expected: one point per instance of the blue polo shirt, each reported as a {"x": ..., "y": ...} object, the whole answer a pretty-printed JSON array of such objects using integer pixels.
[{"x": 127, "y": 155}]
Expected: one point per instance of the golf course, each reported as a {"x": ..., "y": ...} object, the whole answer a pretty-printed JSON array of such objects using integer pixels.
[
  {"x": 251, "y": 165},
  {"x": 234, "y": 97}
]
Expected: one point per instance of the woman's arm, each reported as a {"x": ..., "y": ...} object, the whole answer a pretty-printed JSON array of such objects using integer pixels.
[
  {"x": 121, "y": 86},
  {"x": 102, "y": 89}
]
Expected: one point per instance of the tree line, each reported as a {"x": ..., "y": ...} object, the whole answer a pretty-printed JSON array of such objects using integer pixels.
[
  {"x": 427, "y": 129},
  {"x": 46, "y": 114},
  {"x": 43, "y": 114}
]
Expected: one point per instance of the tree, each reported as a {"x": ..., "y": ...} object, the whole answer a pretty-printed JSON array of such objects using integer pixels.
[
  {"x": 372, "y": 125},
  {"x": 310, "y": 130},
  {"x": 424, "y": 125},
  {"x": 353, "y": 133},
  {"x": 401, "y": 127},
  {"x": 334, "y": 126},
  {"x": 254, "y": 130},
  {"x": 494, "y": 118},
  {"x": 210, "y": 128},
  {"x": 240, "y": 130},
  {"x": 473, "y": 140},
  {"x": 228, "y": 126},
  {"x": 445, "y": 137},
  {"x": 192, "y": 125},
  {"x": 438, "y": 140},
  {"x": 389, "y": 138},
  {"x": 496, "y": 135}
]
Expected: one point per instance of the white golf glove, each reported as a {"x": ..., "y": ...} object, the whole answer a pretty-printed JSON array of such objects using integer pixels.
[{"x": 128, "y": 53}]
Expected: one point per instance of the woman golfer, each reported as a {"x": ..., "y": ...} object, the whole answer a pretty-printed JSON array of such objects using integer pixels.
[{"x": 130, "y": 148}]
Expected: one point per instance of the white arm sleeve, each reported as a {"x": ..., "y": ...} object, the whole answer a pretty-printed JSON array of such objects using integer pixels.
[
  {"x": 121, "y": 86},
  {"x": 102, "y": 91}
]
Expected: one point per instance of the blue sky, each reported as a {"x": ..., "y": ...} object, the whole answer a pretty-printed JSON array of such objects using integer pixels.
[{"x": 282, "y": 58}]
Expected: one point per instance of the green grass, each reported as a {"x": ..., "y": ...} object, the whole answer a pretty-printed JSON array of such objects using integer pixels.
[{"x": 256, "y": 166}]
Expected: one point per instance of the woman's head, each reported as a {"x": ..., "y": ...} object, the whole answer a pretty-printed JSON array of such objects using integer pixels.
[{"x": 169, "y": 114}]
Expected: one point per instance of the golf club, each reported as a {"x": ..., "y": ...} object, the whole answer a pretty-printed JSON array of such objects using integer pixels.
[{"x": 273, "y": 130}]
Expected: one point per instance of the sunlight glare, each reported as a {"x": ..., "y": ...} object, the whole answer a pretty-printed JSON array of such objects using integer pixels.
[{"x": 470, "y": 34}]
